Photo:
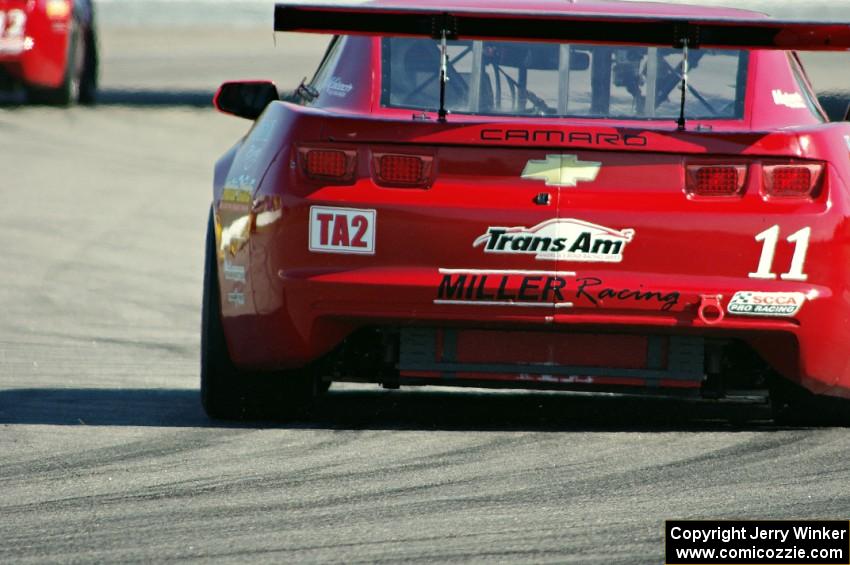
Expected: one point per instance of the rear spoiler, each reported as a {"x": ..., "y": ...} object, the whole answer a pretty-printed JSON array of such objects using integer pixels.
[{"x": 559, "y": 20}]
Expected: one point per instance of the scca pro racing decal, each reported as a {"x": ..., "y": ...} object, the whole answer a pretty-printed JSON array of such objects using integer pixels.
[
  {"x": 563, "y": 239},
  {"x": 777, "y": 304},
  {"x": 342, "y": 230}
]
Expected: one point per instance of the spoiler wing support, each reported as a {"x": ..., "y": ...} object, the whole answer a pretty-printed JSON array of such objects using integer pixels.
[
  {"x": 444, "y": 75},
  {"x": 444, "y": 26},
  {"x": 681, "y": 122}
]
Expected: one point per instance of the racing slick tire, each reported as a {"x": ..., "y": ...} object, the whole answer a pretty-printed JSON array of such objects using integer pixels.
[
  {"x": 228, "y": 393},
  {"x": 88, "y": 81},
  {"x": 80, "y": 81},
  {"x": 793, "y": 405}
]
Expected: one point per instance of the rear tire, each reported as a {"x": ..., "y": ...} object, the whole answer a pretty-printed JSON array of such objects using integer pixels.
[
  {"x": 228, "y": 393},
  {"x": 793, "y": 405},
  {"x": 88, "y": 80}
]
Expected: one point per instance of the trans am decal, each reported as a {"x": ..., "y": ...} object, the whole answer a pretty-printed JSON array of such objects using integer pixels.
[
  {"x": 543, "y": 289},
  {"x": 776, "y": 304},
  {"x": 342, "y": 230},
  {"x": 561, "y": 239}
]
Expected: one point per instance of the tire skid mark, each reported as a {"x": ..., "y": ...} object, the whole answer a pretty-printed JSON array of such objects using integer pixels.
[
  {"x": 461, "y": 455},
  {"x": 61, "y": 466},
  {"x": 754, "y": 450}
]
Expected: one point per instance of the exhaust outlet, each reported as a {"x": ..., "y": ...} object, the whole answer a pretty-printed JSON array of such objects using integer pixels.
[{"x": 710, "y": 309}]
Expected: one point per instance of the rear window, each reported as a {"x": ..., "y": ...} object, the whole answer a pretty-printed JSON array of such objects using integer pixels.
[{"x": 550, "y": 79}]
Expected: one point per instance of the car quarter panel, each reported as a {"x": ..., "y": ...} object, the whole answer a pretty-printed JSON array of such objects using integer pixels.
[{"x": 42, "y": 56}]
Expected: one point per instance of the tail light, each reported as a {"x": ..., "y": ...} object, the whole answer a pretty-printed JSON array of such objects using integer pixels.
[
  {"x": 403, "y": 170},
  {"x": 58, "y": 9},
  {"x": 334, "y": 165},
  {"x": 800, "y": 180},
  {"x": 715, "y": 180}
]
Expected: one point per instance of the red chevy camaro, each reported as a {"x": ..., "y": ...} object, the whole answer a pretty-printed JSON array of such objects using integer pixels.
[
  {"x": 592, "y": 195},
  {"x": 49, "y": 47}
]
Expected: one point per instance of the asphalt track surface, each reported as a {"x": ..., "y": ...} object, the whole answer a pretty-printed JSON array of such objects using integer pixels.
[{"x": 106, "y": 455}]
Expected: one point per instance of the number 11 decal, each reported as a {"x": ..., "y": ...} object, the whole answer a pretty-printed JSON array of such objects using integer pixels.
[{"x": 770, "y": 237}]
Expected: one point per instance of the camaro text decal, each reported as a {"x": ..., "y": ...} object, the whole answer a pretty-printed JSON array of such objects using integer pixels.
[
  {"x": 561, "y": 136},
  {"x": 561, "y": 238}
]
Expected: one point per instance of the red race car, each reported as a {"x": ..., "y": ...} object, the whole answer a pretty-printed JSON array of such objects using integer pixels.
[
  {"x": 49, "y": 47},
  {"x": 594, "y": 196}
]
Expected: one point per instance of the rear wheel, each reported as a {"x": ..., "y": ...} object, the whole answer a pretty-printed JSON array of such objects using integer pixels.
[{"x": 232, "y": 394}]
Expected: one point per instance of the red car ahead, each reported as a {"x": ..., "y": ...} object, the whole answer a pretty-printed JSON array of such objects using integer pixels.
[
  {"x": 49, "y": 47},
  {"x": 594, "y": 196}
]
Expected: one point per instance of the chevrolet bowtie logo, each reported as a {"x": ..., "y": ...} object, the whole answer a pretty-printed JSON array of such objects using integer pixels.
[{"x": 561, "y": 170}]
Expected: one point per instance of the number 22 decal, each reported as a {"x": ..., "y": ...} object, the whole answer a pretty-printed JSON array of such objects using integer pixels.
[
  {"x": 770, "y": 237},
  {"x": 16, "y": 19}
]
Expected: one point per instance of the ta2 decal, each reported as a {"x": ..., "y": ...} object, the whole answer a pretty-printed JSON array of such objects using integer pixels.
[
  {"x": 342, "y": 230},
  {"x": 559, "y": 239},
  {"x": 774, "y": 304}
]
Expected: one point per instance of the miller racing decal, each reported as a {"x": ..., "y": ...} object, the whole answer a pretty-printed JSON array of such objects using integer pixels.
[
  {"x": 545, "y": 289},
  {"x": 342, "y": 230},
  {"x": 777, "y": 304},
  {"x": 563, "y": 239}
]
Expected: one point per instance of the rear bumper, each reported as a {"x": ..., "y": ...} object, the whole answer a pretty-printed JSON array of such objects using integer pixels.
[
  {"x": 32, "y": 68},
  {"x": 300, "y": 315}
]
